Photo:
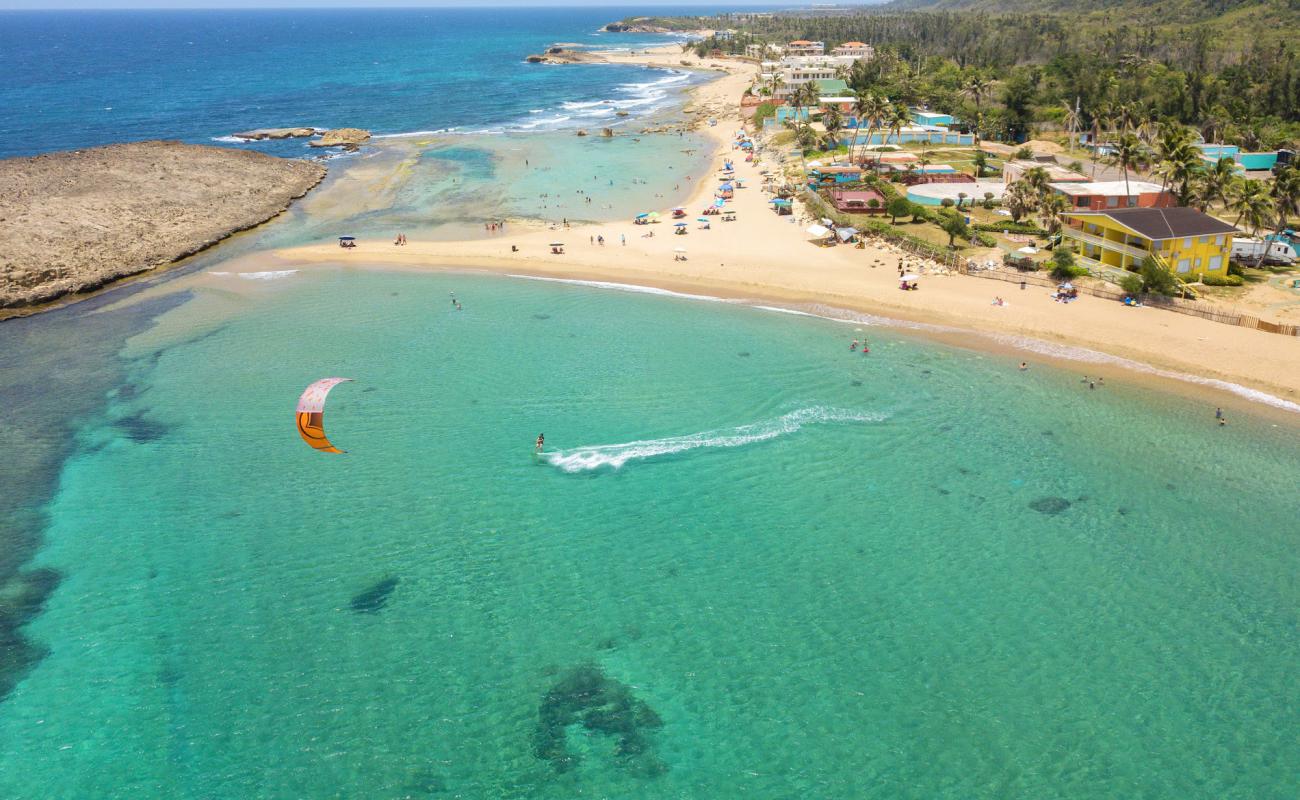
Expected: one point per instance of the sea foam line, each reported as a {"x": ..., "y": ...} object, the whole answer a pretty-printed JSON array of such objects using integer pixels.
[
  {"x": 268, "y": 275},
  {"x": 616, "y": 455}
]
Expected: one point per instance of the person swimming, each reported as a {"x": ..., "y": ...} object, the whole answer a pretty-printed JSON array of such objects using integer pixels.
[
  {"x": 1024, "y": 365},
  {"x": 541, "y": 441},
  {"x": 853, "y": 346}
]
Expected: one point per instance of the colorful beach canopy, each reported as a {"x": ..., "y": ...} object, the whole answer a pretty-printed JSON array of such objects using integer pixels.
[
  {"x": 311, "y": 414},
  {"x": 643, "y": 215},
  {"x": 347, "y": 238},
  {"x": 679, "y": 224}
]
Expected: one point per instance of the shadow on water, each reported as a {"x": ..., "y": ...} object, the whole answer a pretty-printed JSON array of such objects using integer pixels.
[
  {"x": 57, "y": 370},
  {"x": 373, "y": 599}
]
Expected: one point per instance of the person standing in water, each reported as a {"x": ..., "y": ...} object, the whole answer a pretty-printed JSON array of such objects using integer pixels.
[{"x": 541, "y": 441}]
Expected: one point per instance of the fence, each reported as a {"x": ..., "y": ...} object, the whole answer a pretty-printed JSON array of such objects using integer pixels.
[
  {"x": 1107, "y": 291},
  {"x": 1110, "y": 292}
]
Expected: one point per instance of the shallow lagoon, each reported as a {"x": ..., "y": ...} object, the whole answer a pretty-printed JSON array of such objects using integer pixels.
[{"x": 755, "y": 565}]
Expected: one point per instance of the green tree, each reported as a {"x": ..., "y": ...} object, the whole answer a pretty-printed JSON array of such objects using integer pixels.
[
  {"x": 1128, "y": 154},
  {"x": 898, "y": 207},
  {"x": 981, "y": 163},
  {"x": 953, "y": 225},
  {"x": 1063, "y": 265},
  {"x": 1157, "y": 278}
]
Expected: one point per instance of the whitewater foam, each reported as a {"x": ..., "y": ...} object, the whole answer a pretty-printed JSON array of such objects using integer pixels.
[
  {"x": 268, "y": 275},
  {"x": 615, "y": 456}
]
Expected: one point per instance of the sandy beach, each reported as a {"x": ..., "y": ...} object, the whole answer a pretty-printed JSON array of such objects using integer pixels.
[{"x": 764, "y": 257}]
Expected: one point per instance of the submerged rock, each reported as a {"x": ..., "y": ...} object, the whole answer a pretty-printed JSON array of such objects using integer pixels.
[
  {"x": 1050, "y": 505},
  {"x": 373, "y": 599},
  {"x": 586, "y": 696}
]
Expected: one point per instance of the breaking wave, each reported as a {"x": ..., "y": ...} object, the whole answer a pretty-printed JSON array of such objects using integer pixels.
[{"x": 615, "y": 456}]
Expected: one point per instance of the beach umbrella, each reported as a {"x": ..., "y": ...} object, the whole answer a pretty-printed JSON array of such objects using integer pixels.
[
  {"x": 679, "y": 249},
  {"x": 818, "y": 231},
  {"x": 557, "y": 244},
  {"x": 845, "y": 233},
  {"x": 347, "y": 238},
  {"x": 701, "y": 219},
  {"x": 653, "y": 214},
  {"x": 1067, "y": 286},
  {"x": 642, "y": 215},
  {"x": 911, "y": 276},
  {"x": 679, "y": 208},
  {"x": 679, "y": 224}
]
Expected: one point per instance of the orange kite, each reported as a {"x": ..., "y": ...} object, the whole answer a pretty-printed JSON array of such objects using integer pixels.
[{"x": 311, "y": 414}]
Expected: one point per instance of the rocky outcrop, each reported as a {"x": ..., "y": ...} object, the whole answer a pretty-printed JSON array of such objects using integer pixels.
[
  {"x": 634, "y": 27},
  {"x": 75, "y": 221},
  {"x": 581, "y": 132},
  {"x": 351, "y": 138},
  {"x": 275, "y": 133},
  {"x": 607, "y": 132},
  {"x": 561, "y": 55}
]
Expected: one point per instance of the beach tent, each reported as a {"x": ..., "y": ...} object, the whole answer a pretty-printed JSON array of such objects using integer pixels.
[
  {"x": 845, "y": 233},
  {"x": 819, "y": 231}
]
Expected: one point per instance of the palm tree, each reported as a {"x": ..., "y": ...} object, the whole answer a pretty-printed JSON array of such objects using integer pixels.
[
  {"x": 833, "y": 121},
  {"x": 1218, "y": 179},
  {"x": 1018, "y": 199},
  {"x": 874, "y": 112},
  {"x": 1286, "y": 195},
  {"x": 1178, "y": 160},
  {"x": 861, "y": 106},
  {"x": 1071, "y": 121},
  {"x": 1052, "y": 209},
  {"x": 1128, "y": 153},
  {"x": 1252, "y": 202},
  {"x": 898, "y": 117},
  {"x": 1038, "y": 181},
  {"x": 977, "y": 87}
]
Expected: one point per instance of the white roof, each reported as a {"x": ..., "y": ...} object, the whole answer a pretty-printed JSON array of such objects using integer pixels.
[
  {"x": 952, "y": 190},
  {"x": 838, "y": 99},
  {"x": 1107, "y": 188}
]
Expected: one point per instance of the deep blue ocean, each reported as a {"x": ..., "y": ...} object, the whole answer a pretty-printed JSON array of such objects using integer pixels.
[{"x": 78, "y": 79}]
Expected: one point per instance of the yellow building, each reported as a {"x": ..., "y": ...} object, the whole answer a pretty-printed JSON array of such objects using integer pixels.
[{"x": 1183, "y": 239}]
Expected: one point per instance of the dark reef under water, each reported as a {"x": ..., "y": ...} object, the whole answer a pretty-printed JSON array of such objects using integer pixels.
[{"x": 585, "y": 695}]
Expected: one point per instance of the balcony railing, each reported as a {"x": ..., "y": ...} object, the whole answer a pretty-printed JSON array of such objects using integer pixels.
[{"x": 1104, "y": 243}]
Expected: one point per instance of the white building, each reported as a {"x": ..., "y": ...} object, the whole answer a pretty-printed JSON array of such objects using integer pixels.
[
  {"x": 803, "y": 47},
  {"x": 859, "y": 51}
]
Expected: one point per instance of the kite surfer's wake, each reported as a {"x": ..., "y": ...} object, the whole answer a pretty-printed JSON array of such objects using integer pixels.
[{"x": 616, "y": 455}]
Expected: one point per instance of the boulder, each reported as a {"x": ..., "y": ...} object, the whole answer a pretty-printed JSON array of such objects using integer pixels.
[
  {"x": 607, "y": 132},
  {"x": 351, "y": 138},
  {"x": 581, "y": 132}
]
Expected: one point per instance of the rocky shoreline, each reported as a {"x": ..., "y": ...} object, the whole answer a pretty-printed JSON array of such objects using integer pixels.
[{"x": 76, "y": 221}]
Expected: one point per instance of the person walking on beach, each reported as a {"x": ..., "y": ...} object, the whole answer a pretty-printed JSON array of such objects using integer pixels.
[{"x": 622, "y": 239}]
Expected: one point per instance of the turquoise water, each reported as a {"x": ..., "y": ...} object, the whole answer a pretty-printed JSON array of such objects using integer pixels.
[{"x": 753, "y": 564}]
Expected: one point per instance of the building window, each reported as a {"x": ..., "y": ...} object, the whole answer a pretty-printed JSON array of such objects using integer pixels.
[
  {"x": 1219, "y": 240},
  {"x": 1204, "y": 240},
  {"x": 1082, "y": 202},
  {"x": 1187, "y": 243},
  {"x": 1216, "y": 263},
  {"x": 1112, "y": 202},
  {"x": 1185, "y": 265},
  {"x": 1132, "y": 201}
]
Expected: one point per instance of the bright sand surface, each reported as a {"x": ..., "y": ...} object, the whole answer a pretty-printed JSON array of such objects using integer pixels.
[{"x": 764, "y": 257}]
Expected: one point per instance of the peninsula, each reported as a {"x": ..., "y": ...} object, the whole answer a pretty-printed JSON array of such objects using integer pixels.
[{"x": 75, "y": 221}]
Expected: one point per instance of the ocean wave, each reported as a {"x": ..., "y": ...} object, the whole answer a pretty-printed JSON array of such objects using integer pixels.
[
  {"x": 615, "y": 456},
  {"x": 629, "y": 287},
  {"x": 269, "y": 275}
]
